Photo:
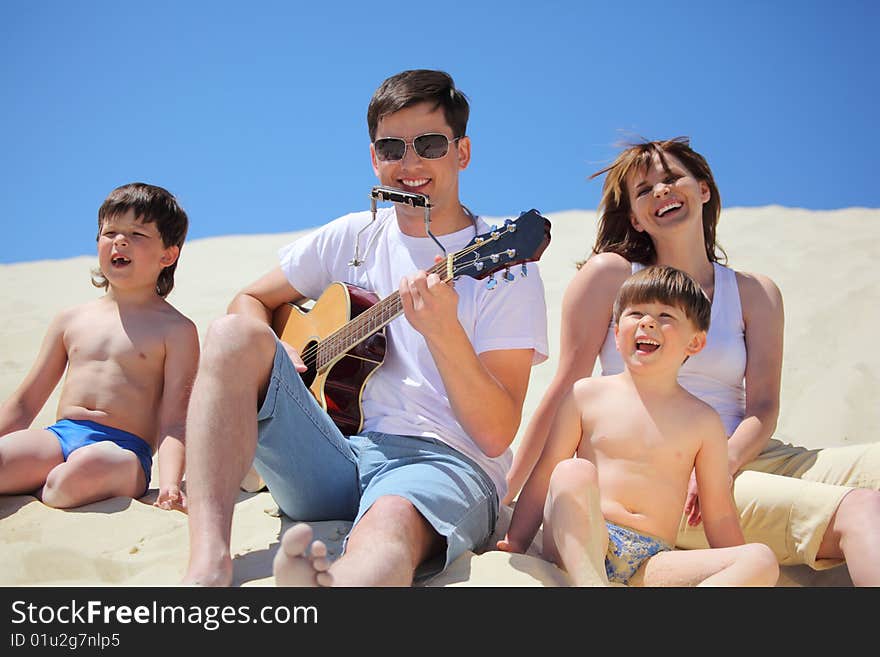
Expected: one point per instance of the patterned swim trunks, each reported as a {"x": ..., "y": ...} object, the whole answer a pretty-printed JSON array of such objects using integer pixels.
[{"x": 627, "y": 551}]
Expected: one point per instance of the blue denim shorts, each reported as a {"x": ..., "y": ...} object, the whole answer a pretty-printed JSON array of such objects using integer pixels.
[{"x": 315, "y": 473}]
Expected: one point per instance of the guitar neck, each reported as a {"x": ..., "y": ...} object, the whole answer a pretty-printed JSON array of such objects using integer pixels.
[
  {"x": 367, "y": 323},
  {"x": 519, "y": 241}
]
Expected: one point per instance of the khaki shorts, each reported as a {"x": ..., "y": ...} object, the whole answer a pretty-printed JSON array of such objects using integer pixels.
[{"x": 788, "y": 495}]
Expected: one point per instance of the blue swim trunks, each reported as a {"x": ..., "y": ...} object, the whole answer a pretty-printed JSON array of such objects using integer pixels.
[
  {"x": 73, "y": 434},
  {"x": 627, "y": 551}
]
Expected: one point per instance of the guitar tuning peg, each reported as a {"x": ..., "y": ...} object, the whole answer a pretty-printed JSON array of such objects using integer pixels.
[
  {"x": 491, "y": 283},
  {"x": 508, "y": 276},
  {"x": 523, "y": 270}
]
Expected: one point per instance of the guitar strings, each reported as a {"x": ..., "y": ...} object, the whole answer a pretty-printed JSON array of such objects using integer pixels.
[{"x": 387, "y": 309}]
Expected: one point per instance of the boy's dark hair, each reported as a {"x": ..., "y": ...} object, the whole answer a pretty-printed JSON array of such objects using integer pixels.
[
  {"x": 150, "y": 204},
  {"x": 668, "y": 285},
  {"x": 616, "y": 233},
  {"x": 419, "y": 86}
]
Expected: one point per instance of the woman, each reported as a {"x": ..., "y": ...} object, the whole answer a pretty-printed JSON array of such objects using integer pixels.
[{"x": 660, "y": 205}]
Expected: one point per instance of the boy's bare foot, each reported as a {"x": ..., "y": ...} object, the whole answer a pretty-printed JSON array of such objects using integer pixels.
[
  {"x": 300, "y": 561},
  {"x": 252, "y": 482}
]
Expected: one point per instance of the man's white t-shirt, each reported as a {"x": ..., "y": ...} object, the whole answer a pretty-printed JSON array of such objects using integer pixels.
[{"x": 406, "y": 395}]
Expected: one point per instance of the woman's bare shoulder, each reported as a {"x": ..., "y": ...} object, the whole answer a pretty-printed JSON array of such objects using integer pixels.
[
  {"x": 604, "y": 271},
  {"x": 757, "y": 290},
  {"x": 608, "y": 263}
]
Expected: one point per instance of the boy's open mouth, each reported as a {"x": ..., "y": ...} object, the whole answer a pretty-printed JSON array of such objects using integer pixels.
[
  {"x": 646, "y": 345},
  {"x": 119, "y": 261}
]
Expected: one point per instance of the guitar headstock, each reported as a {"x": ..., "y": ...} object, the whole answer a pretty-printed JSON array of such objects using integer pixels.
[{"x": 515, "y": 242}]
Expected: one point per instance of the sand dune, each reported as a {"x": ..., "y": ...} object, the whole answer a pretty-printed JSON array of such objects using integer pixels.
[{"x": 821, "y": 260}]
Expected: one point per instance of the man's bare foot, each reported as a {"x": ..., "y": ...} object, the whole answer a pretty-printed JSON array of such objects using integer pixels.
[
  {"x": 208, "y": 575},
  {"x": 300, "y": 561}
]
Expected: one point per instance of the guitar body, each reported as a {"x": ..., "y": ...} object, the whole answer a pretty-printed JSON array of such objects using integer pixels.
[{"x": 339, "y": 384}]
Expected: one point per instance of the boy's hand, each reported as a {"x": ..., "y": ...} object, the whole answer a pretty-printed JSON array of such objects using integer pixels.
[
  {"x": 171, "y": 499},
  {"x": 692, "y": 502},
  {"x": 506, "y": 545}
]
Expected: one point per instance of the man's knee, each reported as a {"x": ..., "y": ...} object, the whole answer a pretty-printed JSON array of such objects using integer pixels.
[
  {"x": 396, "y": 510},
  {"x": 235, "y": 341}
]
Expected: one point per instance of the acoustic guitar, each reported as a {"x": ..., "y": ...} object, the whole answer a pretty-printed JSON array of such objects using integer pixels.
[{"x": 341, "y": 338}]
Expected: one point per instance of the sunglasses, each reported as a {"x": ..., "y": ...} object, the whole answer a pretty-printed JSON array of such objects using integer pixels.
[{"x": 430, "y": 146}]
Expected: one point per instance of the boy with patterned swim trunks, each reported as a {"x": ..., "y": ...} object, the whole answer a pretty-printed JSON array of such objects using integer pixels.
[
  {"x": 130, "y": 359},
  {"x": 612, "y": 512}
]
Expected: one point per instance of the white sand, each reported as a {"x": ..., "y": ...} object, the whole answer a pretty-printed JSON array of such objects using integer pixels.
[{"x": 822, "y": 262}]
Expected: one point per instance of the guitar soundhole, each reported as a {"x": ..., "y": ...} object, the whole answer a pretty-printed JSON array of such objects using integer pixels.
[{"x": 308, "y": 354}]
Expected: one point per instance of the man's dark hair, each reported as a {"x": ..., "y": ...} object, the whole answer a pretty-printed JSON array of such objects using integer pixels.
[{"x": 419, "y": 86}]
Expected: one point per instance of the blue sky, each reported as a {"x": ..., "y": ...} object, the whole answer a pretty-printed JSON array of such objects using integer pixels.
[{"x": 253, "y": 114}]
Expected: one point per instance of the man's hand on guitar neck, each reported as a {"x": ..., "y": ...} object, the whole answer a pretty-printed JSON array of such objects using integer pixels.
[{"x": 429, "y": 304}]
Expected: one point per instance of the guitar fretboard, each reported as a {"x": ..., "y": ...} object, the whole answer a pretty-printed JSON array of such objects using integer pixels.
[{"x": 367, "y": 323}]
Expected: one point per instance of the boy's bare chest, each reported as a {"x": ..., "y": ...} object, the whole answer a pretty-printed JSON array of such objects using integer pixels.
[
  {"x": 639, "y": 437},
  {"x": 108, "y": 337}
]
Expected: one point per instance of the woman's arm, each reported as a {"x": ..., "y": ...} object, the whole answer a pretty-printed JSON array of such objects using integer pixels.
[
  {"x": 586, "y": 314},
  {"x": 764, "y": 322}
]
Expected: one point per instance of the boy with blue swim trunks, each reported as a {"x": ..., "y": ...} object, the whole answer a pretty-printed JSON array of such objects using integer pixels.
[
  {"x": 130, "y": 359},
  {"x": 421, "y": 479},
  {"x": 611, "y": 513}
]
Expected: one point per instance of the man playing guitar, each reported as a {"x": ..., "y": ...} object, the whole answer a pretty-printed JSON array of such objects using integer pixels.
[{"x": 422, "y": 477}]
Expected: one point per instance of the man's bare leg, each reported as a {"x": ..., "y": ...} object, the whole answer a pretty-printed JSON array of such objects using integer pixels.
[
  {"x": 575, "y": 535},
  {"x": 221, "y": 438},
  {"x": 384, "y": 549}
]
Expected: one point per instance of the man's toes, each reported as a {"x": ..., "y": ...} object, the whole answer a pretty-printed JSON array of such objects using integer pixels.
[
  {"x": 318, "y": 550},
  {"x": 318, "y": 555},
  {"x": 296, "y": 540}
]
